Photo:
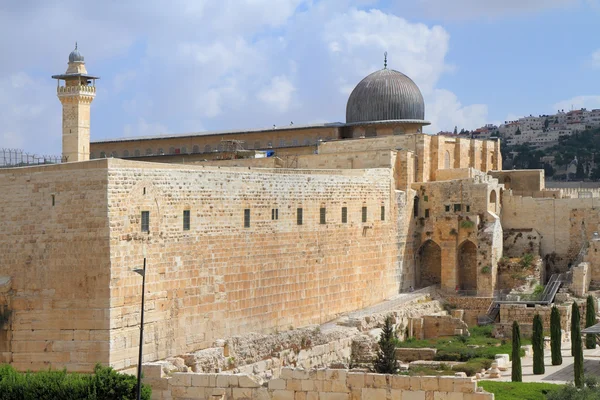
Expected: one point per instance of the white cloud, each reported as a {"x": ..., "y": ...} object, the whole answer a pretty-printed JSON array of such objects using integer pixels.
[
  {"x": 144, "y": 128},
  {"x": 466, "y": 9},
  {"x": 578, "y": 102},
  {"x": 278, "y": 93},
  {"x": 596, "y": 59},
  {"x": 445, "y": 112}
]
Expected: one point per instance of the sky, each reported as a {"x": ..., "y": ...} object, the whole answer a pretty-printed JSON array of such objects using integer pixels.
[{"x": 203, "y": 65}]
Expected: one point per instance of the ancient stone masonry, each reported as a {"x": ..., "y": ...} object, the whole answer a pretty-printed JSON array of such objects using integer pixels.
[{"x": 313, "y": 384}]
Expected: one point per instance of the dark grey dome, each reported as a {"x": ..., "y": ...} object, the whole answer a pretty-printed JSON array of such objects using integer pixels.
[
  {"x": 75, "y": 55},
  {"x": 385, "y": 95}
]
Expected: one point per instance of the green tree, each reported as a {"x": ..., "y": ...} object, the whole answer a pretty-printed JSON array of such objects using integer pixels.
[
  {"x": 386, "y": 362},
  {"x": 537, "y": 340},
  {"x": 517, "y": 374},
  {"x": 579, "y": 173},
  {"x": 555, "y": 336},
  {"x": 590, "y": 319},
  {"x": 576, "y": 346}
]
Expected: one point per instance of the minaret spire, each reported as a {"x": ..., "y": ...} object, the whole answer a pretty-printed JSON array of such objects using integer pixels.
[{"x": 385, "y": 60}]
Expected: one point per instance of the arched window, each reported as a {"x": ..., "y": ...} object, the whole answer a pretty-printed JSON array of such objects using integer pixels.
[
  {"x": 183, "y": 150},
  {"x": 492, "y": 206},
  {"x": 161, "y": 151},
  {"x": 126, "y": 153},
  {"x": 137, "y": 152},
  {"x": 207, "y": 148},
  {"x": 148, "y": 152},
  {"x": 447, "y": 160},
  {"x": 307, "y": 142},
  {"x": 171, "y": 150},
  {"x": 196, "y": 149},
  {"x": 257, "y": 145},
  {"x": 92, "y": 156},
  {"x": 102, "y": 154}
]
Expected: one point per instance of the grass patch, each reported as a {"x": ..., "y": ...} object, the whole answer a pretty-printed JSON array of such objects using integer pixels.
[
  {"x": 519, "y": 390},
  {"x": 480, "y": 345}
]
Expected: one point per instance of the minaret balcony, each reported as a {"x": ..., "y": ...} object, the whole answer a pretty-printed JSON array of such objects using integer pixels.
[{"x": 75, "y": 90}]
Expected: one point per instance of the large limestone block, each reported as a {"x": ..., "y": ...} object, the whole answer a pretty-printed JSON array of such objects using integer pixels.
[
  {"x": 413, "y": 395},
  {"x": 373, "y": 394}
]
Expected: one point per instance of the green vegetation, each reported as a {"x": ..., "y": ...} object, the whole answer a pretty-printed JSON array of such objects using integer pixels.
[
  {"x": 386, "y": 363},
  {"x": 555, "y": 336},
  {"x": 104, "y": 384},
  {"x": 537, "y": 341},
  {"x": 516, "y": 374},
  {"x": 591, "y": 391},
  {"x": 576, "y": 346},
  {"x": 479, "y": 345},
  {"x": 527, "y": 259},
  {"x": 470, "y": 368},
  {"x": 467, "y": 224},
  {"x": 590, "y": 319},
  {"x": 520, "y": 390}
]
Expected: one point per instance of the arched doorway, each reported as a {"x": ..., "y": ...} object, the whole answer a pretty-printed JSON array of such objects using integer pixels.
[
  {"x": 429, "y": 264},
  {"x": 447, "y": 160},
  {"x": 492, "y": 206},
  {"x": 507, "y": 182},
  {"x": 467, "y": 266}
]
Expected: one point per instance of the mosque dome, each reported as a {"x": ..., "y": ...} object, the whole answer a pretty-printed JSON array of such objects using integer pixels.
[
  {"x": 385, "y": 95},
  {"x": 75, "y": 55}
]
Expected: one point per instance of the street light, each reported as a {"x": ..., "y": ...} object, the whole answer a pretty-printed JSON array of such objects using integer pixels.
[{"x": 142, "y": 272}]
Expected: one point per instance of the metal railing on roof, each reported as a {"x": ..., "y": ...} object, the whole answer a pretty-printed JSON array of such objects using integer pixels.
[{"x": 10, "y": 158}]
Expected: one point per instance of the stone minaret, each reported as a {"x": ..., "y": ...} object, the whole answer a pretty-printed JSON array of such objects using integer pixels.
[{"x": 76, "y": 97}]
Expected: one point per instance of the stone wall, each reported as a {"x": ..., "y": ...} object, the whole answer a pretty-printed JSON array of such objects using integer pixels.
[
  {"x": 311, "y": 385},
  {"x": 222, "y": 279},
  {"x": 521, "y": 180},
  {"x": 433, "y": 326},
  {"x": 518, "y": 242},
  {"x": 54, "y": 250},
  {"x": 581, "y": 279},
  {"x": 524, "y": 316},
  {"x": 472, "y": 307}
]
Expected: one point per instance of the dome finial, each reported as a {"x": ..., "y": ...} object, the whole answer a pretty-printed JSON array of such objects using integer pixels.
[
  {"x": 385, "y": 60},
  {"x": 75, "y": 45}
]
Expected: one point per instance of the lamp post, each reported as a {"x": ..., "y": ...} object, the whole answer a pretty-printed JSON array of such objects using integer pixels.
[{"x": 142, "y": 272}]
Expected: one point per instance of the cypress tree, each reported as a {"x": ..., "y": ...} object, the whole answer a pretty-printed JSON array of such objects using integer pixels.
[
  {"x": 386, "y": 358},
  {"x": 576, "y": 346},
  {"x": 537, "y": 340},
  {"x": 590, "y": 319},
  {"x": 555, "y": 336},
  {"x": 517, "y": 374}
]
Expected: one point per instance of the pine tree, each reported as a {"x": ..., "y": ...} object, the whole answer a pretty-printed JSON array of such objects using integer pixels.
[
  {"x": 386, "y": 358},
  {"x": 555, "y": 336},
  {"x": 517, "y": 374},
  {"x": 576, "y": 346},
  {"x": 537, "y": 340},
  {"x": 590, "y": 319}
]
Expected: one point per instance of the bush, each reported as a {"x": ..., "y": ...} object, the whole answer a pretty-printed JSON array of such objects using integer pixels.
[
  {"x": 555, "y": 336},
  {"x": 526, "y": 260},
  {"x": 590, "y": 319},
  {"x": 590, "y": 391},
  {"x": 104, "y": 384},
  {"x": 576, "y": 346},
  {"x": 386, "y": 358},
  {"x": 473, "y": 366},
  {"x": 537, "y": 341},
  {"x": 516, "y": 374},
  {"x": 520, "y": 390}
]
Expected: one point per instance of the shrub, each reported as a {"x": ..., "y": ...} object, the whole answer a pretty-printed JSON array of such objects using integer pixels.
[
  {"x": 526, "y": 260},
  {"x": 486, "y": 270},
  {"x": 576, "y": 346},
  {"x": 386, "y": 363},
  {"x": 104, "y": 384},
  {"x": 590, "y": 390},
  {"x": 590, "y": 319},
  {"x": 555, "y": 336},
  {"x": 537, "y": 340},
  {"x": 516, "y": 374},
  {"x": 519, "y": 390},
  {"x": 467, "y": 224}
]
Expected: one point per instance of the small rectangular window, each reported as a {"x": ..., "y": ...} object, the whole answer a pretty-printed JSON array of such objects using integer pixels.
[
  {"x": 246, "y": 218},
  {"x": 457, "y": 207},
  {"x": 468, "y": 208},
  {"x": 145, "y": 221},
  {"x": 383, "y": 213},
  {"x": 447, "y": 208},
  {"x": 364, "y": 214},
  {"x": 299, "y": 216},
  {"x": 427, "y": 213},
  {"x": 322, "y": 213},
  {"x": 186, "y": 220},
  {"x": 53, "y": 200},
  {"x": 344, "y": 215},
  {"x": 274, "y": 214}
]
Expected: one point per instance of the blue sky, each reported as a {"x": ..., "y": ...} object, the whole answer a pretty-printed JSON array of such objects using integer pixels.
[{"x": 194, "y": 65}]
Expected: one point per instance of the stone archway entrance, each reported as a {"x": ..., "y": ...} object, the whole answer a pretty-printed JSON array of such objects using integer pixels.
[
  {"x": 467, "y": 266},
  {"x": 429, "y": 264}
]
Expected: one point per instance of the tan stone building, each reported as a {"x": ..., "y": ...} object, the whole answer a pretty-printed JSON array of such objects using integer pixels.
[{"x": 335, "y": 218}]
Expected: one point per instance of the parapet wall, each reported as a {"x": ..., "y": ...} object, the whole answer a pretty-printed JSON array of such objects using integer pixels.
[{"x": 324, "y": 384}]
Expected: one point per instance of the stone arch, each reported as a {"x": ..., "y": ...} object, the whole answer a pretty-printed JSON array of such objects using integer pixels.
[
  {"x": 467, "y": 266},
  {"x": 507, "y": 181},
  {"x": 429, "y": 264},
  {"x": 125, "y": 153},
  {"x": 196, "y": 149},
  {"x": 447, "y": 160},
  {"x": 493, "y": 201}
]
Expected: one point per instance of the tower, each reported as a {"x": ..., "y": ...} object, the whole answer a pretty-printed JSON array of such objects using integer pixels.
[{"x": 76, "y": 97}]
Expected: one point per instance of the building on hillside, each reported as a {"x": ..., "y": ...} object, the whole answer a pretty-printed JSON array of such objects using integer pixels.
[{"x": 338, "y": 217}]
